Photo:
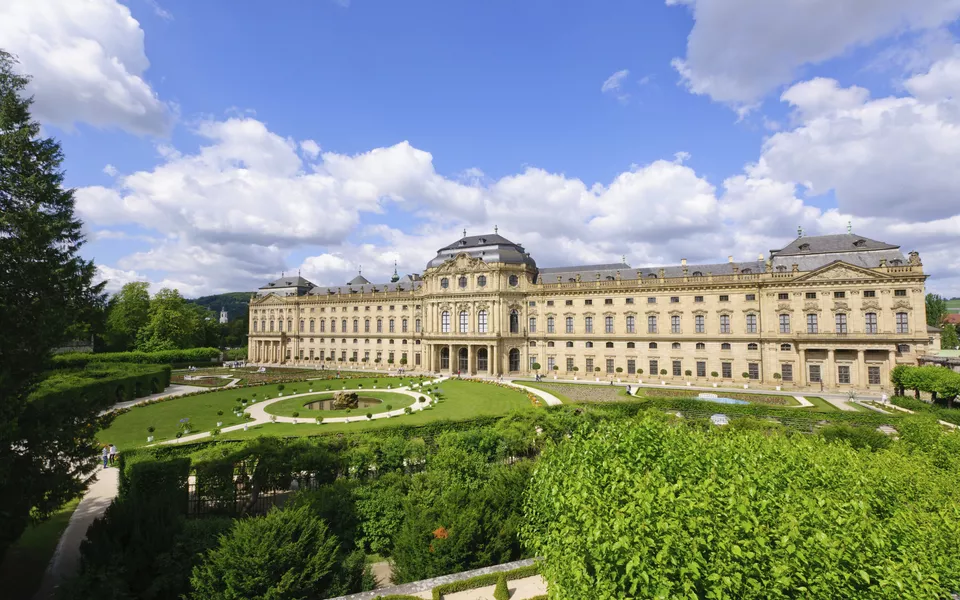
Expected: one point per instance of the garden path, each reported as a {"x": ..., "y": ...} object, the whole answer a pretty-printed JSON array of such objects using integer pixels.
[
  {"x": 170, "y": 392},
  {"x": 520, "y": 589}
]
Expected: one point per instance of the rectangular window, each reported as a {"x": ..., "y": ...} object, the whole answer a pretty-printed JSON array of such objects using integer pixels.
[
  {"x": 356, "y": 326},
  {"x": 323, "y": 325},
  {"x": 416, "y": 326},
  {"x": 569, "y": 324},
  {"x": 464, "y": 321},
  {"x": 843, "y": 374},
  {"x": 674, "y": 299},
  {"x": 366, "y": 326},
  {"x": 549, "y": 302},
  {"x": 677, "y": 368},
  {"x": 724, "y": 298},
  {"x": 588, "y": 302},
  {"x": 343, "y": 325},
  {"x": 391, "y": 324},
  {"x": 445, "y": 322},
  {"x": 608, "y": 301},
  {"x": 568, "y": 303},
  {"x": 569, "y": 364},
  {"x": 751, "y": 297},
  {"x": 608, "y": 324},
  {"x": 631, "y": 325},
  {"x": 651, "y": 324},
  {"x": 551, "y": 361},
  {"x": 870, "y": 322},
  {"x": 869, "y": 293},
  {"x": 379, "y": 325},
  {"x": 701, "y": 368},
  {"x": 550, "y": 325},
  {"x": 726, "y": 370},
  {"x": 753, "y": 370},
  {"x": 724, "y": 323},
  {"x": 590, "y": 365},
  {"x": 873, "y": 375},
  {"x": 532, "y": 303},
  {"x": 588, "y": 324},
  {"x": 812, "y": 326},
  {"x": 698, "y": 324},
  {"x": 786, "y": 371},
  {"x": 698, "y": 298},
  {"x": 533, "y": 324},
  {"x": 675, "y": 324},
  {"x": 783, "y": 296},
  {"x": 815, "y": 374},
  {"x": 610, "y": 366},
  {"x": 839, "y": 294},
  {"x": 751, "y": 323},
  {"x": 900, "y": 292},
  {"x": 811, "y": 296},
  {"x": 841, "y": 320},
  {"x": 416, "y": 358},
  {"x": 403, "y": 326},
  {"x": 533, "y": 361},
  {"x": 651, "y": 300},
  {"x": 654, "y": 367},
  {"x": 629, "y": 300},
  {"x": 631, "y": 366},
  {"x": 784, "y": 323},
  {"x": 903, "y": 326}
]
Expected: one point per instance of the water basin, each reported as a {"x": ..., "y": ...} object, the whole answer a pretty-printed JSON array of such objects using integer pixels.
[
  {"x": 328, "y": 404},
  {"x": 719, "y": 399}
]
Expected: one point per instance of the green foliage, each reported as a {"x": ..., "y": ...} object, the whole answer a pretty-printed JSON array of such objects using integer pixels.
[
  {"x": 145, "y": 478},
  {"x": 948, "y": 337},
  {"x": 647, "y": 509},
  {"x": 286, "y": 554},
  {"x": 192, "y": 355},
  {"x": 235, "y": 354},
  {"x": 857, "y": 437},
  {"x": 175, "y": 323},
  {"x": 127, "y": 314},
  {"x": 942, "y": 383},
  {"x": 936, "y": 309},
  {"x": 501, "y": 592},
  {"x": 484, "y": 580},
  {"x": 103, "y": 383},
  {"x": 47, "y": 298},
  {"x": 379, "y": 508}
]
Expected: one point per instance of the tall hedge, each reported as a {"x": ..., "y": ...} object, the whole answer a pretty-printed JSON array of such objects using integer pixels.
[
  {"x": 80, "y": 359},
  {"x": 106, "y": 383},
  {"x": 647, "y": 509}
]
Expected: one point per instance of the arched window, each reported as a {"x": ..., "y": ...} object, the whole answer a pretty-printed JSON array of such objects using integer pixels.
[
  {"x": 482, "y": 321},
  {"x": 589, "y": 345},
  {"x": 549, "y": 344},
  {"x": 343, "y": 325},
  {"x": 698, "y": 273},
  {"x": 481, "y": 280},
  {"x": 569, "y": 344},
  {"x": 652, "y": 345},
  {"x": 747, "y": 271},
  {"x": 870, "y": 322},
  {"x": 571, "y": 280},
  {"x": 588, "y": 324},
  {"x": 514, "y": 281},
  {"x": 610, "y": 278},
  {"x": 532, "y": 325},
  {"x": 289, "y": 324},
  {"x": 804, "y": 247},
  {"x": 279, "y": 325},
  {"x": 444, "y": 283},
  {"x": 323, "y": 325},
  {"x": 752, "y": 346},
  {"x": 903, "y": 324},
  {"x": 725, "y": 346},
  {"x": 860, "y": 243},
  {"x": 675, "y": 346},
  {"x": 609, "y": 344},
  {"x": 651, "y": 275},
  {"x": 514, "y": 321},
  {"x": 366, "y": 325},
  {"x": 254, "y": 325},
  {"x": 550, "y": 326},
  {"x": 514, "y": 359},
  {"x": 445, "y": 322},
  {"x": 533, "y": 344},
  {"x": 444, "y": 358},
  {"x": 631, "y": 345},
  {"x": 462, "y": 282},
  {"x": 403, "y": 325},
  {"x": 333, "y": 325},
  {"x": 392, "y": 325},
  {"x": 312, "y": 326},
  {"x": 786, "y": 347},
  {"x": 379, "y": 325},
  {"x": 464, "y": 321},
  {"x": 569, "y": 324},
  {"x": 416, "y": 326},
  {"x": 263, "y": 325},
  {"x": 896, "y": 263},
  {"x": 701, "y": 346},
  {"x": 301, "y": 325},
  {"x": 356, "y": 325}
]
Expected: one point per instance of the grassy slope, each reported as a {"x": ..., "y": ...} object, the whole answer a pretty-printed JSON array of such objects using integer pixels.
[
  {"x": 22, "y": 568},
  {"x": 286, "y": 408},
  {"x": 953, "y": 305}
]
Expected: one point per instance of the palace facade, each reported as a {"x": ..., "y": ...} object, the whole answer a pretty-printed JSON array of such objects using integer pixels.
[{"x": 832, "y": 311}]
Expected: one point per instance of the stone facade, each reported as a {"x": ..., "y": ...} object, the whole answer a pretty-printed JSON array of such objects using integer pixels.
[{"x": 838, "y": 311}]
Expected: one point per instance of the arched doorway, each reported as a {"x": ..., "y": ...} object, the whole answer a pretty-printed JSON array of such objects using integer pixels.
[
  {"x": 444, "y": 359},
  {"x": 482, "y": 362},
  {"x": 463, "y": 361},
  {"x": 514, "y": 359}
]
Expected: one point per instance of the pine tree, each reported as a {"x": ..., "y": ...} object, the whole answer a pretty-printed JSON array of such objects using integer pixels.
[{"x": 46, "y": 292}]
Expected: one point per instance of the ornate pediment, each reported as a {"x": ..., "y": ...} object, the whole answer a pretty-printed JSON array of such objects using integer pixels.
[
  {"x": 840, "y": 307},
  {"x": 811, "y": 307},
  {"x": 841, "y": 271},
  {"x": 675, "y": 312},
  {"x": 901, "y": 304},
  {"x": 784, "y": 307},
  {"x": 462, "y": 263},
  {"x": 870, "y": 305}
]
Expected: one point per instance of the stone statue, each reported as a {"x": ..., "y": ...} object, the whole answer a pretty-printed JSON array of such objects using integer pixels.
[
  {"x": 345, "y": 400},
  {"x": 914, "y": 258}
]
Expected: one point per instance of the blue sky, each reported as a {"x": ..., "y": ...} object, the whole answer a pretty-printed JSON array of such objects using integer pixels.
[{"x": 248, "y": 138}]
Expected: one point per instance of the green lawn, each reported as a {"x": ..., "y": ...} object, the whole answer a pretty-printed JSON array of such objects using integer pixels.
[
  {"x": 286, "y": 408},
  {"x": 820, "y": 405},
  {"x": 461, "y": 400},
  {"x": 22, "y": 568},
  {"x": 129, "y": 430},
  {"x": 953, "y": 305}
]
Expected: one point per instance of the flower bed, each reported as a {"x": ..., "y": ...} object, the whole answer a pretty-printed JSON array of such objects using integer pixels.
[{"x": 587, "y": 393}]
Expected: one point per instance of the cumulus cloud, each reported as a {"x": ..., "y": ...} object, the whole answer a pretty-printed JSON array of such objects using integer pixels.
[
  {"x": 740, "y": 50},
  {"x": 87, "y": 64}
]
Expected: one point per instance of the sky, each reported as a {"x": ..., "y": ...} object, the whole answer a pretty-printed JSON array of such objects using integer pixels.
[{"x": 216, "y": 144}]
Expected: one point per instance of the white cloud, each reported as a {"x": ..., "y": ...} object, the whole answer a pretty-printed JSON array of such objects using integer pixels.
[
  {"x": 739, "y": 50},
  {"x": 941, "y": 81},
  {"x": 159, "y": 10},
  {"x": 110, "y": 170},
  {"x": 310, "y": 148},
  {"x": 613, "y": 85},
  {"x": 87, "y": 63}
]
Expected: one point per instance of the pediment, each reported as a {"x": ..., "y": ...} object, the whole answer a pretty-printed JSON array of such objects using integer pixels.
[
  {"x": 839, "y": 270},
  {"x": 462, "y": 263},
  {"x": 270, "y": 299}
]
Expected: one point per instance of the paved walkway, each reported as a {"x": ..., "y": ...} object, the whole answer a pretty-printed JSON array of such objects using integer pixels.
[
  {"x": 171, "y": 391},
  {"x": 66, "y": 558}
]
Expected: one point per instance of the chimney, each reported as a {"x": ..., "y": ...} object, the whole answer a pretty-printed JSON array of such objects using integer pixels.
[
  {"x": 730, "y": 258},
  {"x": 683, "y": 262}
]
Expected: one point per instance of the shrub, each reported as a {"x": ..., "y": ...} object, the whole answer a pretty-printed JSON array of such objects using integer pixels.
[
  {"x": 103, "y": 384},
  {"x": 777, "y": 376},
  {"x": 369, "y": 415},
  {"x": 295, "y": 414},
  {"x": 745, "y": 375},
  {"x": 501, "y": 592},
  {"x": 714, "y": 374},
  {"x": 688, "y": 372},
  {"x": 663, "y": 371},
  {"x": 191, "y": 355},
  {"x": 389, "y": 407},
  {"x": 858, "y": 437},
  {"x": 280, "y": 387}
]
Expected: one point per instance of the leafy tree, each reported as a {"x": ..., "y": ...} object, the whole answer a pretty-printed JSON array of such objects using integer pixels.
[
  {"x": 46, "y": 294},
  {"x": 948, "y": 337},
  {"x": 936, "y": 309},
  {"x": 175, "y": 323},
  {"x": 287, "y": 554},
  {"x": 128, "y": 313}
]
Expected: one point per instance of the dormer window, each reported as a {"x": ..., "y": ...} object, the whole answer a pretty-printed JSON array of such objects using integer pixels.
[
  {"x": 463, "y": 242},
  {"x": 698, "y": 273},
  {"x": 610, "y": 278},
  {"x": 804, "y": 247},
  {"x": 860, "y": 243},
  {"x": 896, "y": 262},
  {"x": 747, "y": 271},
  {"x": 651, "y": 276},
  {"x": 781, "y": 268}
]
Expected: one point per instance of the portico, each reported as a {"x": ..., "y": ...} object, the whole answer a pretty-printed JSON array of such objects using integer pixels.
[{"x": 464, "y": 356}]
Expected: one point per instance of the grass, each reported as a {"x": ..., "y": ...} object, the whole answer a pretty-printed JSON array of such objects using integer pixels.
[
  {"x": 286, "y": 408},
  {"x": 129, "y": 430},
  {"x": 461, "y": 400},
  {"x": 26, "y": 560},
  {"x": 821, "y": 405},
  {"x": 953, "y": 305}
]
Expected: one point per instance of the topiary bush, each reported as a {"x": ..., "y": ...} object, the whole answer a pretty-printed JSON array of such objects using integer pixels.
[{"x": 501, "y": 592}]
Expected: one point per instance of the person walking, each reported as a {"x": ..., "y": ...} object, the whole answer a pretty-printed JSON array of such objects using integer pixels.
[
  {"x": 105, "y": 455},
  {"x": 113, "y": 455}
]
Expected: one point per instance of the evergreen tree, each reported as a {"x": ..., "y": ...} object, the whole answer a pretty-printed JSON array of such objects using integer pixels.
[{"x": 46, "y": 292}]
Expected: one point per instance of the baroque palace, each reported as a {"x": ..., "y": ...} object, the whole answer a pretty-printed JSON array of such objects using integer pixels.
[{"x": 833, "y": 311}]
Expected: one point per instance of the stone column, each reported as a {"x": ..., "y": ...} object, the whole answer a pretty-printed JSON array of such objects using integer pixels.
[
  {"x": 495, "y": 366},
  {"x": 829, "y": 377},
  {"x": 491, "y": 364},
  {"x": 470, "y": 366},
  {"x": 453, "y": 359},
  {"x": 892, "y": 362},
  {"x": 800, "y": 378},
  {"x": 861, "y": 369}
]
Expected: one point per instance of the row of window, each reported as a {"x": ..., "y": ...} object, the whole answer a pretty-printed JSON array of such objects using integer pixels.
[
  {"x": 391, "y": 324},
  {"x": 332, "y": 309},
  {"x": 673, "y": 346},
  {"x": 322, "y": 355},
  {"x": 902, "y": 323},
  {"x": 726, "y": 298},
  {"x": 462, "y": 281}
]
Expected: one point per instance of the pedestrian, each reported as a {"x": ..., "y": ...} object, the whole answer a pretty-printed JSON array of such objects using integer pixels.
[
  {"x": 105, "y": 455},
  {"x": 628, "y": 389},
  {"x": 113, "y": 454}
]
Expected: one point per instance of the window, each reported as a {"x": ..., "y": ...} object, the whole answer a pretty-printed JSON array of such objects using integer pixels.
[
  {"x": 753, "y": 370},
  {"x": 379, "y": 325},
  {"x": 812, "y": 326},
  {"x": 698, "y": 324},
  {"x": 751, "y": 323},
  {"x": 588, "y": 324},
  {"x": 549, "y": 302},
  {"x": 631, "y": 324},
  {"x": 843, "y": 374},
  {"x": 608, "y": 324},
  {"x": 752, "y": 346},
  {"x": 677, "y": 368},
  {"x": 608, "y": 301},
  {"x": 870, "y": 322},
  {"x": 514, "y": 282},
  {"x": 255, "y": 325},
  {"x": 786, "y": 347},
  {"x": 751, "y": 297},
  {"x": 403, "y": 326},
  {"x": 701, "y": 368},
  {"x": 416, "y": 327},
  {"x": 482, "y": 321},
  {"x": 698, "y": 298},
  {"x": 481, "y": 281},
  {"x": 549, "y": 344},
  {"x": 631, "y": 345},
  {"x": 811, "y": 295},
  {"x": 629, "y": 300},
  {"x": 839, "y": 294},
  {"x": 301, "y": 325},
  {"x": 279, "y": 325},
  {"x": 873, "y": 375},
  {"x": 900, "y": 293},
  {"x": 783, "y": 296},
  {"x": 323, "y": 325},
  {"x": 610, "y": 366},
  {"x": 903, "y": 348},
  {"x": 590, "y": 365},
  {"x": 533, "y": 324},
  {"x": 724, "y": 323},
  {"x": 841, "y": 321},
  {"x": 725, "y": 346},
  {"x": 312, "y": 325},
  {"x": 568, "y": 302},
  {"x": 569, "y": 325},
  {"x": 464, "y": 321},
  {"x": 784, "y": 323},
  {"x": 654, "y": 367},
  {"x": 675, "y": 324},
  {"x": 366, "y": 325},
  {"x": 651, "y": 300},
  {"x": 724, "y": 298},
  {"x": 698, "y": 273},
  {"x": 786, "y": 371},
  {"x": 674, "y": 299},
  {"x": 356, "y": 325},
  {"x": 701, "y": 346},
  {"x": 569, "y": 344},
  {"x": 532, "y": 303},
  {"x": 550, "y": 327},
  {"x": 444, "y": 283},
  {"x": 631, "y": 366},
  {"x": 902, "y": 323},
  {"x": 445, "y": 322},
  {"x": 392, "y": 328},
  {"x": 815, "y": 374},
  {"x": 462, "y": 282},
  {"x": 533, "y": 360},
  {"x": 514, "y": 356},
  {"x": 869, "y": 293},
  {"x": 569, "y": 363},
  {"x": 514, "y": 321},
  {"x": 588, "y": 302},
  {"x": 675, "y": 346},
  {"x": 651, "y": 324},
  {"x": 551, "y": 361},
  {"x": 343, "y": 325},
  {"x": 726, "y": 370},
  {"x": 652, "y": 345},
  {"x": 333, "y": 326}
]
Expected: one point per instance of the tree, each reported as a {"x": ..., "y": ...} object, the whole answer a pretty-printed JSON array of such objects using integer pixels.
[
  {"x": 948, "y": 337},
  {"x": 46, "y": 291},
  {"x": 128, "y": 313},
  {"x": 936, "y": 309},
  {"x": 174, "y": 323},
  {"x": 535, "y": 366}
]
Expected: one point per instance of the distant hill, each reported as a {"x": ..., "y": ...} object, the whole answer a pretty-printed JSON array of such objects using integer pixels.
[{"x": 236, "y": 303}]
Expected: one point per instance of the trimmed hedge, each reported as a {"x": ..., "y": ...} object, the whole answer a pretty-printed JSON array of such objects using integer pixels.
[
  {"x": 236, "y": 354},
  {"x": 105, "y": 382},
  {"x": 144, "y": 478},
  {"x": 191, "y": 355},
  {"x": 483, "y": 580},
  {"x": 950, "y": 415}
]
